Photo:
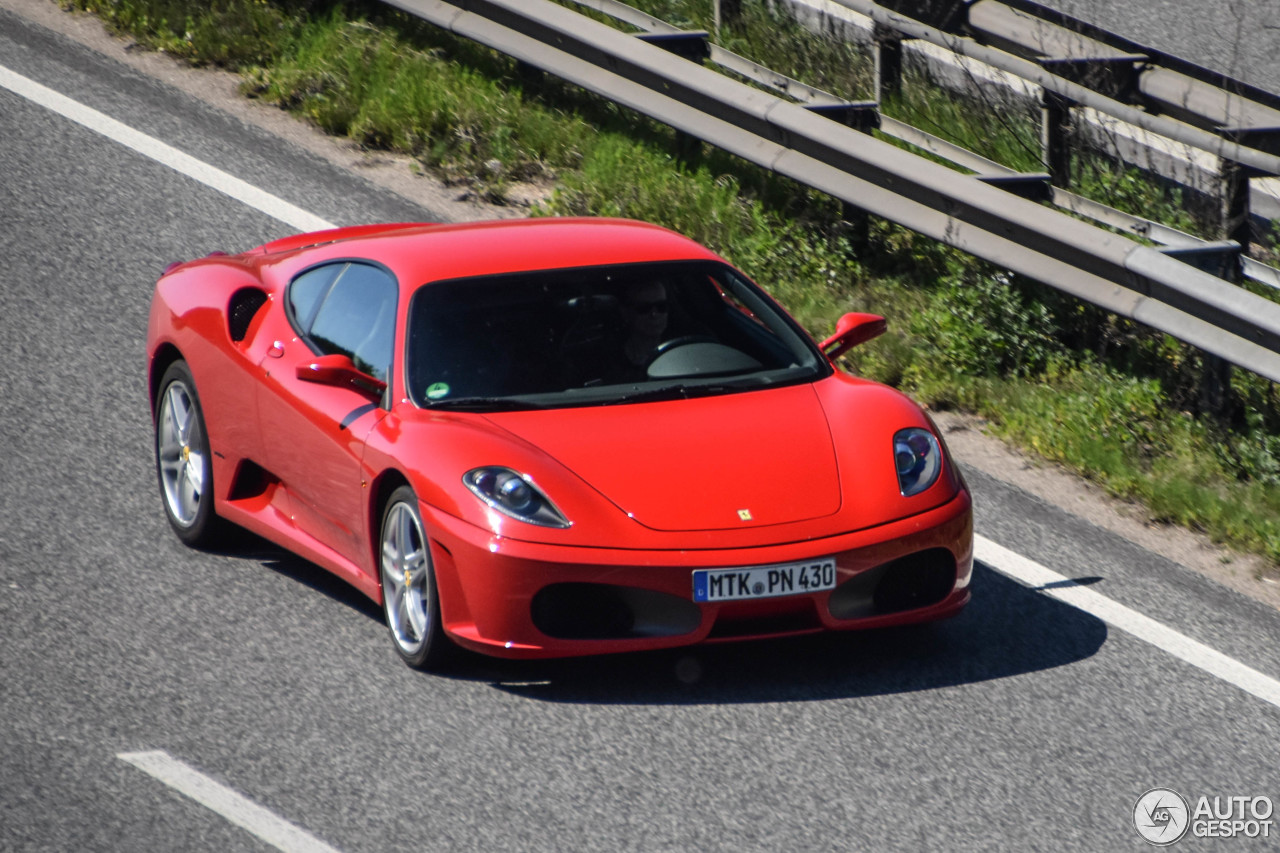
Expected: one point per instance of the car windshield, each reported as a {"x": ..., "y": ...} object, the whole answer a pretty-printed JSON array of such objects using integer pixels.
[{"x": 599, "y": 336}]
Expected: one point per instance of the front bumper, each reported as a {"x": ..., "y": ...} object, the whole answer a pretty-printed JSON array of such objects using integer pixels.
[{"x": 518, "y": 599}]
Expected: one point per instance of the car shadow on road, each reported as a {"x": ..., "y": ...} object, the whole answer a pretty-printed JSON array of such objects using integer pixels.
[
  {"x": 249, "y": 546},
  {"x": 1007, "y": 629}
]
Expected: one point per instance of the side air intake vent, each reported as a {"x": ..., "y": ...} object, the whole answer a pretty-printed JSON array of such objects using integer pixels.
[{"x": 245, "y": 303}]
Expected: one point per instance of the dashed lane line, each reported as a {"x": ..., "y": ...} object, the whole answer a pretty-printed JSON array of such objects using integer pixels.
[{"x": 232, "y": 805}]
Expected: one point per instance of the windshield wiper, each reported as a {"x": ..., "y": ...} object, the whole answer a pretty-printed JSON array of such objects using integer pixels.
[
  {"x": 483, "y": 403},
  {"x": 678, "y": 391}
]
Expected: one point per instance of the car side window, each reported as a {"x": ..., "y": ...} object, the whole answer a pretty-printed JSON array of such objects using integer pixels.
[{"x": 356, "y": 313}]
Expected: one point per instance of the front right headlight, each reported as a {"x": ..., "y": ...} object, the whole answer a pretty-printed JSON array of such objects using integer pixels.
[
  {"x": 917, "y": 455},
  {"x": 514, "y": 494}
]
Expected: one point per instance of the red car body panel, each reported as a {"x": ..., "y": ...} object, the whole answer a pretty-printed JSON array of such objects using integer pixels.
[
  {"x": 709, "y": 452},
  {"x": 654, "y": 490},
  {"x": 480, "y": 614}
]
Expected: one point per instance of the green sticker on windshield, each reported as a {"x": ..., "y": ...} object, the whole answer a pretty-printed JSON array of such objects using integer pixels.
[{"x": 436, "y": 390}]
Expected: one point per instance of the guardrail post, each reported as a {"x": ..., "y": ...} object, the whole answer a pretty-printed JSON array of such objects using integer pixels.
[
  {"x": 1215, "y": 385},
  {"x": 727, "y": 12},
  {"x": 888, "y": 45},
  {"x": 530, "y": 76},
  {"x": 1055, "y": 136},
  {"x": 694, "y": 46},
  {"x": 1233, "y": 187},
  {"x": 688, "y": 149},
  {"x": 1222, "y": 259},
  {"x": 855, "y": 223},
  {"x": 863, "y": 116},
  {"x": 1233, "y": 202}
]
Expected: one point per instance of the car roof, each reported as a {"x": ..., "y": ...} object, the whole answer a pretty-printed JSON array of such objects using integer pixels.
[{"x": 419, "y": 252}]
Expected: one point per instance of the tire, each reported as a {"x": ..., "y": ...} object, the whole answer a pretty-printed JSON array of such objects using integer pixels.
[
  {"x": 184, "y": 464},
  {"x": 410, "y": 600}
]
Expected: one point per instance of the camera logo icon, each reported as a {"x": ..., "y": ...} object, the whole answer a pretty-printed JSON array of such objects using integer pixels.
[{"x": 1161, "y": 816}]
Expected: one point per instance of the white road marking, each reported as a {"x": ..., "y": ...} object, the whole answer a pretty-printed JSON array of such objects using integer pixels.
[
  {"x": 161, "y": 152},
  {"x": 233, "y": 806},
  {"x": 1128, "y": 620}
]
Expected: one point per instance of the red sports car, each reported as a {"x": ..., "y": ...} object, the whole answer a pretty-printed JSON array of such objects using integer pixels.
[{"x": 548, "y": 437}]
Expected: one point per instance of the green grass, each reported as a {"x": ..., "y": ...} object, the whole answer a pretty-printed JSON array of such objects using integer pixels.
[
  {"x": 1114, "y": 401},
  {"x": 356, "y": 80},
  {"x": 1008, "y": 132},
  {"x": 996, "y": 127},
  {"x": 232, "y": 33},
  {"x": 772, "y": 38},
  {"x": 1117, "y": 430}
]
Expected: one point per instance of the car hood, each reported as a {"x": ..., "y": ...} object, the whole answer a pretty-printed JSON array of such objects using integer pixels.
[{"x": 713, "y": 463}]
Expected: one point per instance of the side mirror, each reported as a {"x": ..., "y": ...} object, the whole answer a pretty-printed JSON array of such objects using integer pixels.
[
  {"x": 339, "y": 371},
  {"x": 851, "y": 330}
]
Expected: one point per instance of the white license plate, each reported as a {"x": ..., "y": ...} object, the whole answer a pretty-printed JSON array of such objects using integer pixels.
[{"x": 764, "y": 581}]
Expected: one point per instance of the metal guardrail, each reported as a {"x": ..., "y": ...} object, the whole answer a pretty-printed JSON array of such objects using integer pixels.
[
  {"x": 1147, "y": 78},
  {"x": 1037, "y": 186},
  {"x": 1079, "y": 67},
  {"x": 1099, "y": 266},
  {"x": 1144, "y": 76},
  {"x": 1076, "y": 92}
]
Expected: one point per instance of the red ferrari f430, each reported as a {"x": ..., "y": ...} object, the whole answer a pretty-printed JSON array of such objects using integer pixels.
[{"x": 548, "y": 437}]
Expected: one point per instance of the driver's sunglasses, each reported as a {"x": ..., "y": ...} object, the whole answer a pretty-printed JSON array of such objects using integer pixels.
[{"x": 658, "y": 306}]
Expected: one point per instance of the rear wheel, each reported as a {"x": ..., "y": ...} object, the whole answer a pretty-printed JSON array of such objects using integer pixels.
[
  {"x": 183, "y": 463},
  {"x": 409, "y": 597}
]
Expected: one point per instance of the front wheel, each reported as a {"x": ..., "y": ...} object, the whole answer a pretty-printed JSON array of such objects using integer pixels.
[
  {"x": 183, "y": 462},
  {"x": 409, "y": 596}
]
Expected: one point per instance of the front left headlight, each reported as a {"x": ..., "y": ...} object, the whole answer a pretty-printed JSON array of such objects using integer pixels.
[
  {"x": 514, "y": 494},
  {"x": 918, "y": 459}
]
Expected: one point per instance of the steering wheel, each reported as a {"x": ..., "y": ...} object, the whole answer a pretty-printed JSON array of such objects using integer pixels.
[{"x": 676, "y": 343}]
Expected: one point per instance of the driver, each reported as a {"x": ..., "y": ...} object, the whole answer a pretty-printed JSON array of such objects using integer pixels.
[{"x": 644, "y": 312}]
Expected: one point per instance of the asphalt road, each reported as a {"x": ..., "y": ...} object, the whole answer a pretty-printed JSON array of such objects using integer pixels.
[
  {"x": 1240, "y": 38},
  {"x": 1023, "y": 724}
]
